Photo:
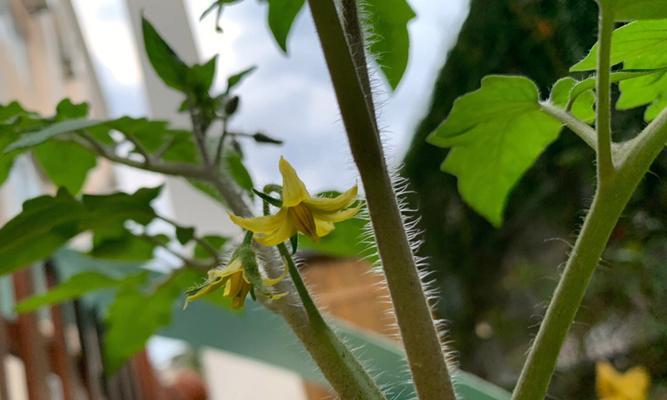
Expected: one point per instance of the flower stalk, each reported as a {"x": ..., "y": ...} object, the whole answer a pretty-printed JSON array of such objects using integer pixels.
[{"x": 426, "y": 359}]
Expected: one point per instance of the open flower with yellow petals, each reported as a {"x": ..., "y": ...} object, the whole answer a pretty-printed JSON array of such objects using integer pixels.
[
  {"x": 300, "y": 212},
  {"x": 235, "y": 283},
  {"x": 613, "y": 385}
]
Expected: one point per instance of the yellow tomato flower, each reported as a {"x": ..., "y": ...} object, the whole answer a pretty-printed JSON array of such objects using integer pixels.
[
  {"x": 613, "y": 385},
  {"x": 312, "y": 216}
]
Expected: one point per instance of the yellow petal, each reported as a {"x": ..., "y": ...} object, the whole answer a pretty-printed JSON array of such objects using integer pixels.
[
  {"x": 323, "y": 227},
  {"x": 266, "y": 224},
  {"x": 323, "y": 204},
  {"x": 294, "y": 191},
  {"x": 338, "y": 216},
  {"x": 634, "y": 384},
  {"x": 606, "y": 376},
  {"x": 283, "y": 233}
]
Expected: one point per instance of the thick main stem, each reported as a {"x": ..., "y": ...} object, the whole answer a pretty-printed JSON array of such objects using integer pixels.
[{"x": 420, "y": 337}]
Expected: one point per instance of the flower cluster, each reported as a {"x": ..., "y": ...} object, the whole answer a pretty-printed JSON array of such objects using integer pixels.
[{"x": 300, "y": 212}]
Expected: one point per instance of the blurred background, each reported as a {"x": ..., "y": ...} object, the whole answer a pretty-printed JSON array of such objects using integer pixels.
[{"x": 494, "y": 283}]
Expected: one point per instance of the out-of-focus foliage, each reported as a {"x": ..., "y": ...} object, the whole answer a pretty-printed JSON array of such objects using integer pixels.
[{"x": 495, "y": 281}]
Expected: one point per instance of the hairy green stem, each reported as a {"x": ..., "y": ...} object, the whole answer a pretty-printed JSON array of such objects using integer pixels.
[
  {"x": 350, "y": 379},
  {"x": 614, "y": 190},
  {"x": 605, "y": 164},
  {"x": 420, "y": 337}
]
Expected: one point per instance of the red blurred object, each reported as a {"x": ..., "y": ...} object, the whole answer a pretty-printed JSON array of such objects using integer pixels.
[{"x": 187, "y": 385}]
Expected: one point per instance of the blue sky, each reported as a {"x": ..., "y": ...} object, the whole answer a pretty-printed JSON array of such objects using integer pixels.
[{"x": 289, "y": 96}]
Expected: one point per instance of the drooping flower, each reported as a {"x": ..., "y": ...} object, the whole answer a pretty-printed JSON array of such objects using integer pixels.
[
  {"x": 300, "y": 212},
  {"x": 235, "y": 283},
  {"x": 613, "y": 385}
]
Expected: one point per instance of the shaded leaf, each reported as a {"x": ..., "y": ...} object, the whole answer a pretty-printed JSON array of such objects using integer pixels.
[
  {"x": 215, "y": 241},
  {"x": 164, "y": 60},
  {"x": 68, "y": 110},
  {"x": 135, "y": 316},
  {"x": 233, "y": 164},
  {"x": 74, "y": 288},
  {"x": 495, "y": 134},
  {"x": 391, "y": 42},
  {"x": 282, "y": 14},
  {"x": 124, "y": 247},
  {"x": 237, "y": 78},
  {"x": 184, "y": 235},
  {"x": 44, "y": 225}
]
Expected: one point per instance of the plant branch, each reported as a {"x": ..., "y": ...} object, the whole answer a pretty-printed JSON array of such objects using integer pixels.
[
  {"x": 420, "y": 338},
  {"x": 636, "y": 156},
  {"x": 173, "y": 169},
  {"x": 139, "y": 147},
  {"x": 605, "y": 163},
  {"x": 199, "y": 134},
  {"x": 221, "y": 143},
  {"x": 344, "y": 373},
  {"x": 580, "y": 128},
  {"x": 350, "y": 379}
]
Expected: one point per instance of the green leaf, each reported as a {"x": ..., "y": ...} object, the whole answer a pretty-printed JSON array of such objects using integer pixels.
[
  {"x": 135, "y": 316},
  {"x": 31, "y": 139},
  {"x": 109, "y": 212},
  {"x": 347, "y": 240},
  {"x": 66, "y": 164},
  {"x": 184, "y": 235},
  {"x": 583, "y": 106},
  {"x": 215, "y": 241},
  {"x": 68, "y": 110},
  {"x": 166, "y": 63},
  {"x": 495, "y": 134},
  {"x": 77, "y": 286},
  {"x": 45, "y": 224},
  {"x": 648, "y": 90},
  {"x": 122, "y": 246},
  {"x": 638, "y": 45},
  {"x": 236, "y": 79},
  {"x": 233, "y": 164},
  {"x": 627, "y": 10},
  {"x": 282, "y": 14},
  {"x": 391, "y": 42},
  {"x": 201, "y": 76}
]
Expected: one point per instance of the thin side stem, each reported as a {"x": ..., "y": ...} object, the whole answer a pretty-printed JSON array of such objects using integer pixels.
[
  {"x": 172, "y": 169},
  {"x": 350, "y": 380},
  {"x": 600, "y": 221},
  {"x": 420, "y": 338},
  {"x": 580, "y": 128},
  {"x": 605, "y": 164}
]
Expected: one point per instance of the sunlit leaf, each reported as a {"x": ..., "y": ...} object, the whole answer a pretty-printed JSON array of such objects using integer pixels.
[
  {"x": 66, "y": 164},
  {"x": 495, "y": 134},
  {"x": 637, "y": 45},
  {"x": 583, "y": 107},
  {"x": 627, "y": 10}
]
